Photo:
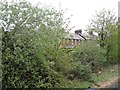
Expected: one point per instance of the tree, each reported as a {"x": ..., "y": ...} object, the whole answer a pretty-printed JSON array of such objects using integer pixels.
[
  {"x": 105, "y": 23},
  {"x": 112, "y": 43},
  {"x": 30, "y": 44},
  {"x": 99, "y": 22}
]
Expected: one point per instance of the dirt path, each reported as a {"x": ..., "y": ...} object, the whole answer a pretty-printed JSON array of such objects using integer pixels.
[{"x": 112, "y": 83}]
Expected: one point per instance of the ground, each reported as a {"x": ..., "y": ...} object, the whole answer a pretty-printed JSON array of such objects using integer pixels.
[
  {"x": 112, "y": 83},
  {"x": 108, "y": 78}
]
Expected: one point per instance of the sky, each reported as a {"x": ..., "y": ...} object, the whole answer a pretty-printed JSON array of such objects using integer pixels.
[
  {"x": 119, "y": 9},
  {"x": 81, "y": 10}
]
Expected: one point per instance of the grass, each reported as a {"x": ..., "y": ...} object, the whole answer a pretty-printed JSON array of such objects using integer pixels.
[
  {"x": 76, "y": 83},
  {"x": 106, "y": 74}
]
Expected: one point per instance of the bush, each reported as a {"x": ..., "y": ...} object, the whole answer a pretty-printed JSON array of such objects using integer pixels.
[
  {"x": 30, "y": 49},
  {"x": 23, "y": 69},
  {"x": 82, "y": 72},
  {"x": 112, "y": 44},
  {"x": 89, "y": 53}
]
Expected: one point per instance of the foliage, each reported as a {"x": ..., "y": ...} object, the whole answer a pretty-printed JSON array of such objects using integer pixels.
[
  {"x": 31, "y": 53},
  {"x": 103, "y": 18},
  {"x": 90, "y": 53},
  {"x": 0, "y": 57},
  {"x": 82, "y": 72},
  {"x": 112, "y": 44},
  {"x": 99, "y": 22},
  {"x": 30, "y": 49},
  {"x": 105, "y": 24},
  {"x": 23, "y": 68}
]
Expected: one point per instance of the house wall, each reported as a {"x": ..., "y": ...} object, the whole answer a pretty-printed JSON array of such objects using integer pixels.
[{"x": 72, "y": 42}]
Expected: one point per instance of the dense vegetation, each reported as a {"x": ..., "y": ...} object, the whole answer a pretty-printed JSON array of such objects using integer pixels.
[{"x": 31, "y": 53}]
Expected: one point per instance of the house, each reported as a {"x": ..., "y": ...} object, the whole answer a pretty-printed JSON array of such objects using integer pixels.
[
  {"x": 91, "y": 35},
  {"x": 74, "y": 39}
]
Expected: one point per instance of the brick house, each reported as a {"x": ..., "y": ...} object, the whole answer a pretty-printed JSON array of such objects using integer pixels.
[{"x": 74, "y": 39}]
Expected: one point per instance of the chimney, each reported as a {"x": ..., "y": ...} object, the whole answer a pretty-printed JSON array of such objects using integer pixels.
[{"x": 78, "y": 31}]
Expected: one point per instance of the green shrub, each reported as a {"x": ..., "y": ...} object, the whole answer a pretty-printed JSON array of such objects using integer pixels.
[
  {"x": 112, "y": 44},
  {"x": 21, "y": 70},
  {"x": 89, "y": 53},
  {"x": 30, "y": 49},
  {"x": 82, "y": 72}
]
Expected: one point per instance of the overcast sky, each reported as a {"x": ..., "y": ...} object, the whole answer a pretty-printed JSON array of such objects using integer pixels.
[{"x": 82, "y": 10}]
